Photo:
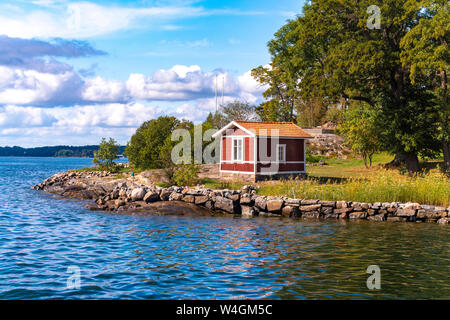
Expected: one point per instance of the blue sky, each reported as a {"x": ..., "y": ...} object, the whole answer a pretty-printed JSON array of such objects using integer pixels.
[{"x": 74, "y": 71}]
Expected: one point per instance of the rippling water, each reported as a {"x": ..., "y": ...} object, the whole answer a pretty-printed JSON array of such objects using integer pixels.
[{"x": 153, "y": 257}]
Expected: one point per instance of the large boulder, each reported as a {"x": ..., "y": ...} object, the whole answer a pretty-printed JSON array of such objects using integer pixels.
[
  {"x": 246, "y": 200},
  {"x": 406, "y": 213},
  {"x": 137, "y": 194},
  {"x": 274, "y": 205},
  {"x": 315, "y": 207},
  {"x": 201, "y": 200},
  {"x": 261, "y": 203},
  {"x": 248, "y": 211},
  {"x": 151, "y": 197},
  {"x": 225, "y": 204},
  {"x": 165, "y": 195}
]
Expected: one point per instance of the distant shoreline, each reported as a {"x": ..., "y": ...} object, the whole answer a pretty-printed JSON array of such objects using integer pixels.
[{"x": 61, "y": 151}]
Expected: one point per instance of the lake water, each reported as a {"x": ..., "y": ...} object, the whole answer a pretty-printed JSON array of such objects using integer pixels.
[{"x": 152, "y": 257}]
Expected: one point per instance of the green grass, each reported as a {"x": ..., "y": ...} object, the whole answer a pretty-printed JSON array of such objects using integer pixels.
[
  {"x": 121, "y": 172},
  {"x": 220, "y": 185},
  {"x": 347, "y": 168},
  {"x": 379, "y": 186},
  {"x": 349, "y": 180}
]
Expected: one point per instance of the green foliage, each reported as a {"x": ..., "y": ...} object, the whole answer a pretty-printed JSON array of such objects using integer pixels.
[
  {"x": 64, "y": 153},
  {"x": 312, "y": 158},
  {"x": 145, "y": 147},
  {"x": 425, "y": 50},
  {"x": 281, "y": 93},
  {"x": 335, "y": 115},
  {"x": 236, "y": 110},
  {"x": 362, "y": 131},
  {"x": 329, "y": 52},
  {"x": 186, "y": 175},
  {"x": 107, "y": 152},
  {"x": 311, "y": 112}
]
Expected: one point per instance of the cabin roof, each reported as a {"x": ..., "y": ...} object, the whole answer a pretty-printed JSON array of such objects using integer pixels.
[{"x": 268, "y": 129}]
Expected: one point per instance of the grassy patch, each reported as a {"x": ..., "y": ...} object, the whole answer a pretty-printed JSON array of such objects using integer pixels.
[
  {"x": 347, "y": 168},
  {"x": 374, "y": 186},
  {"x": 120, "y": 170},
  {"x": 220, "y": 185}
]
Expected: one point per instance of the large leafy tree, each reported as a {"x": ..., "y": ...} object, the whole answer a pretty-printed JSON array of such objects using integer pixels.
[
  {"x": 425, "y": 51},
  {"x": 145, "y": 146},
  {"x": 330, "y": 52}
]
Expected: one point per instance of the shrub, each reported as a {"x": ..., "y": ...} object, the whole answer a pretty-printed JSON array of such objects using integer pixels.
[{"x": 186, "y": 175}]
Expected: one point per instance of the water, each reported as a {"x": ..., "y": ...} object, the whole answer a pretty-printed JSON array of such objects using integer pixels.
[{"x": 151, "y": 257}]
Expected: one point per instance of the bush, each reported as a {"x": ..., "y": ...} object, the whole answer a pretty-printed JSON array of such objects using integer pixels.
[
  {"x": 186, "y": 175},
  {"x": 312, "y": 158}
]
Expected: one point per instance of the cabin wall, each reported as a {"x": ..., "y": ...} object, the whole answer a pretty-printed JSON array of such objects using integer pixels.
[
  {"x": 295, "y": 155},
  {"x": 227, "y": 163}
]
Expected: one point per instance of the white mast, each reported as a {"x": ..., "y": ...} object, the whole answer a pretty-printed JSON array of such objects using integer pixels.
[
  {"x": 223, "y": 89},
  {"x": 216, "y": 93}
]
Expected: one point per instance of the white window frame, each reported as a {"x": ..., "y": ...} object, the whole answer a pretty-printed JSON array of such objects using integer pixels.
[
  {"x": 234, "y": 158},
  {"x": 278, "y": 154}
]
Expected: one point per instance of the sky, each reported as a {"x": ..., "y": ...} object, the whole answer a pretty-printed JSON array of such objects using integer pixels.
[{"x": 72, "y": 72}]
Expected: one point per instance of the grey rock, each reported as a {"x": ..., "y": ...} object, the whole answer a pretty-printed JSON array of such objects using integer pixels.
[
  {"x": 261, "y": 203},
  {"x": 137, "y": 194},
  {"x": 151, "y": 197},
  {"x": 224, "y": 204}
]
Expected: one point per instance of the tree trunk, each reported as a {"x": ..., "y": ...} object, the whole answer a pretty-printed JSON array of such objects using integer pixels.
[
  {"x": 365, "y": 160},
  {"x": 412, "y": 163},
  {"x": 400, "y": 159},
  {"x": 446, "y": 151}
]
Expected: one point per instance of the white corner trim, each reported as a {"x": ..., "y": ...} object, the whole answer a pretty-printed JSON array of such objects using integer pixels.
[{"x": 233, "y": 123}]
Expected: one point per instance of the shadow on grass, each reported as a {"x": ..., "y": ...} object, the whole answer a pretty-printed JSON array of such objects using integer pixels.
[{"x": 327, "y": 180}]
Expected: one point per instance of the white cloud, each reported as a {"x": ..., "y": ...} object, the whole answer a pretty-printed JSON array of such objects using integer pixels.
[
  {"x": 180, "y": 83},
  {"x": 86, "y": 19},
  {"x": 101, "y": 90},
  {"x": 27, "y": 87}
]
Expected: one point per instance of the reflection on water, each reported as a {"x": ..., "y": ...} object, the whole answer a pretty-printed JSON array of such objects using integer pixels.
[{"x": 176, "y": 257}]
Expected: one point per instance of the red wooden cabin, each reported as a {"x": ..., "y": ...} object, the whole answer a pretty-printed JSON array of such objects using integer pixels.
[{"x": 257, "y": 150}]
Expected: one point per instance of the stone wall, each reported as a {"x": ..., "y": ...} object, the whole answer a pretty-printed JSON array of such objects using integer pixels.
[{"x": 118, "y": 195}]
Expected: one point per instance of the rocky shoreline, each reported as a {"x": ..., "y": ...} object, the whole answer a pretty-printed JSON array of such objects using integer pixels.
[{"x": 129, "y": 196}]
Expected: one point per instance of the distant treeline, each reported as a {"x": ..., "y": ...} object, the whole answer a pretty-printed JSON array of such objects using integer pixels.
[{"x": 56, "y": 151}]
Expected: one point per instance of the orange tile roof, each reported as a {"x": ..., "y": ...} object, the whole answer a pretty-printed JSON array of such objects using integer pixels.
[{"x": 268, "y": 129}]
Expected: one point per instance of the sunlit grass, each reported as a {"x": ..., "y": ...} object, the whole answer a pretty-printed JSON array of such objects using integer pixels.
[{"x": 374, "y": 186}]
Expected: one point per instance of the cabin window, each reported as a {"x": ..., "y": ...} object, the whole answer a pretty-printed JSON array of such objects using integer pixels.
[
  {"x": 238, "y": 149},
  {"x": 281, "y": 153}
]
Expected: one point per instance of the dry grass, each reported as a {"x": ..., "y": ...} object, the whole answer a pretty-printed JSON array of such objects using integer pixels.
[{"x": 374, "y": 186}]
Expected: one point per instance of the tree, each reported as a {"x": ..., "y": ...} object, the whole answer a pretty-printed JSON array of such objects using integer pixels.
[
  {"x": 144, "y": 148},
  {"x": 362, "y": 131},
  {"x": 107, "y": 152},
  {"x": 236, "y": 110},
  {"x": 281, "y": 93},
  {"x": 330, "y": 52},
  {"x": 425, "y": 50}
]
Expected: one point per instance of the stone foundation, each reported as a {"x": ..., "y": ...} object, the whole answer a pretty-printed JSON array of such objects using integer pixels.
[{"x": 252, "y": 178}]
